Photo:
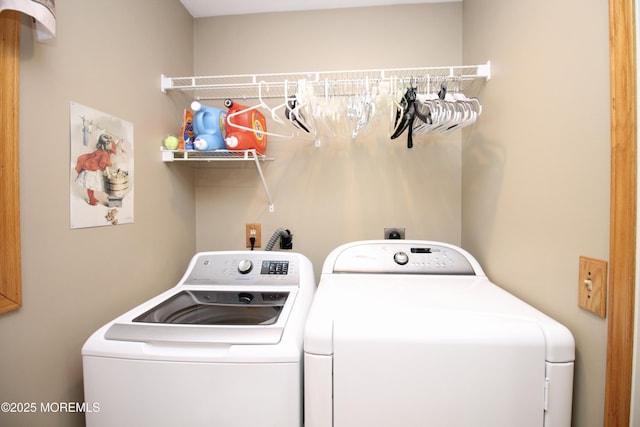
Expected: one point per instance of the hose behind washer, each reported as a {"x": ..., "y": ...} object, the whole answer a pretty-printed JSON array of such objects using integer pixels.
[{"x": 279, "y": 233}]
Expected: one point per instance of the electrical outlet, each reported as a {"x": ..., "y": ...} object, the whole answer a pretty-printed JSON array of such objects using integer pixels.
[
  {"x": 394, "y": 233},
  {"x": 592, "y": 285},
  {"x": 253, "y": 230}
]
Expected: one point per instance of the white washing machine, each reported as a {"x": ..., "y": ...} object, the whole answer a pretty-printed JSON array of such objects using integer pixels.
[
  {"x": 412, "y": 333},
  {"x": 221, "y": 348}
]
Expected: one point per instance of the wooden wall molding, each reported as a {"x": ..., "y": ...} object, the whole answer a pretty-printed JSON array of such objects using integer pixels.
[
  {"x": 10, "y": 259},
  {"x": 622, "y": 247}
]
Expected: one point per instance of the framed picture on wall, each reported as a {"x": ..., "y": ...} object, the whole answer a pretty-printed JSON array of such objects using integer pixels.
[{"x": 101, "y": 172}]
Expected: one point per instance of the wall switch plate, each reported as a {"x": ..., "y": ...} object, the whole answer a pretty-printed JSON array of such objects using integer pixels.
[
  {"x": 394, "y": 233},
  {"x": 592, "y": 285},
  {"x": 253, "y": 230}
]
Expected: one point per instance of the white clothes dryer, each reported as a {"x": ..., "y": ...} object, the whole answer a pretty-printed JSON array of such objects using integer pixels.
[
  {"x": 223, "y": 347},
  {"x": 412, "y": 333}
]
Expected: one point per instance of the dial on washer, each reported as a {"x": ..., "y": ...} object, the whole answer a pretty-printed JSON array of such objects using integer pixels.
[{"x": 245, "y": 266}]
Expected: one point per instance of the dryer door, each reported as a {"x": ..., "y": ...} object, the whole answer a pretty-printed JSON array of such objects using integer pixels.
[{"x": 454, "y": 369}]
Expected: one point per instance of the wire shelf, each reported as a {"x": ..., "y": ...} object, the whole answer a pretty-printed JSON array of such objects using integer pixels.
[
  {"x": 285, "y": 85},
  {"x": 212, "y": 156},
  {"x": 278, "y": 85}
]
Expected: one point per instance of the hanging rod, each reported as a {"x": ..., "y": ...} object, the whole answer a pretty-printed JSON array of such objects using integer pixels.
[{"x": 276, "y": 82}]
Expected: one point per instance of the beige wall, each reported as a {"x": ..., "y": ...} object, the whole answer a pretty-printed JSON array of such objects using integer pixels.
[
  {"x": 345, "y": 190},
  {"x": 109, "y": 56},
  {"x": 536, "y": 168},
  {"x": 534, "y": 193},
  {"x": 526, "y": 190}
]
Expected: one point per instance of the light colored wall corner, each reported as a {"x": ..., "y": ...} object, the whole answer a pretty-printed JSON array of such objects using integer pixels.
[
  {"x": 108, "y": 56},
  {"x": 535, "y": 169}
]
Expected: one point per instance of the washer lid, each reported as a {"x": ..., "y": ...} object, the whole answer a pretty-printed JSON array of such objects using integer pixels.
[
  {"x": 217, "y": 307},
  {"x": 250, "y": 316}
]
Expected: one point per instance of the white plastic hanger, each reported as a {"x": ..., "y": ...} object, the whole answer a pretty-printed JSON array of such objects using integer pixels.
[{"x": 261, "y": 104}]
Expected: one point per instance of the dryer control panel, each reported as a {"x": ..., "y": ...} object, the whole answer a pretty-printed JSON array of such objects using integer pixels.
[
  {"x": 402, "y": 257},
  {"x": 242, "y": 267}
]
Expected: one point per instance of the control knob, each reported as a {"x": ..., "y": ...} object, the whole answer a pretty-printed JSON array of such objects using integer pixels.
[
  {"x": 401, "y": 258},
  {"x": 245, "y": 297},
  {"x": 245, "y": 266}
]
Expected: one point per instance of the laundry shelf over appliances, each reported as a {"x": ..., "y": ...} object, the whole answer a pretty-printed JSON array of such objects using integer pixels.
[
  {"x": 298, "y": 90},
  {"x": 246, "y": 86}
]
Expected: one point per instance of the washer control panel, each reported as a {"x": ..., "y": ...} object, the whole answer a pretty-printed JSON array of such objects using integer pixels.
[
  {"x": 275, "y": 267},
  {"x": 209, "y": 268}
]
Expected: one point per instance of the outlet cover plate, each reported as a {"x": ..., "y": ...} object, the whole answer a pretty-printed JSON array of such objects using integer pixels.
[
  {"x": 388, "y": 231},
  {"x": 254, "y": 230}
]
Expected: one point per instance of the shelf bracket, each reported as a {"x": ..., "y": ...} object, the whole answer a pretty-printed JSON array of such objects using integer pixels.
[
  {"x": 264, "y": 183},
  {"x": 189, "y": 156},
  {"x": 165, "y": 83},
  {"x": 484, "y": 70}
]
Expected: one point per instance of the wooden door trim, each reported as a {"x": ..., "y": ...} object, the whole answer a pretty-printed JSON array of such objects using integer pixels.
[
  {"x": 622, "y": 247},
  {"x": 10, "y": 258}
]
